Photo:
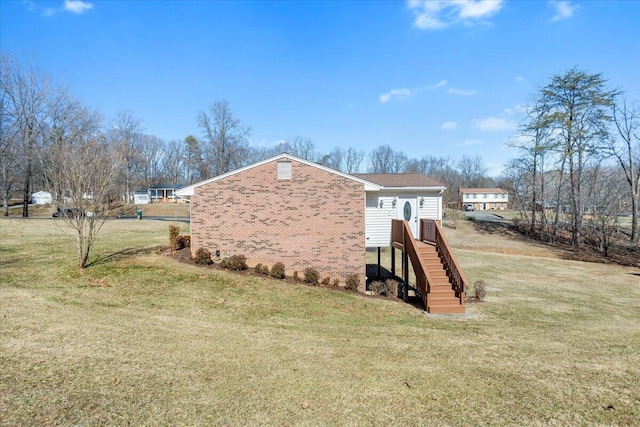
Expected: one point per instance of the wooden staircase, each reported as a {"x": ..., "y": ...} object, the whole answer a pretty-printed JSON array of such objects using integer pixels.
[{"x": 439, "y": 278}]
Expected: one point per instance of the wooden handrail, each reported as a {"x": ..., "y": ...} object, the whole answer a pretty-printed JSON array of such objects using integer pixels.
[
  {"x": 402, "y": 237},
  {"x": 431, "y": 231}
]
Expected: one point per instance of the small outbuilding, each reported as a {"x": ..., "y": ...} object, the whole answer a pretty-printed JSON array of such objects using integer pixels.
[
  {"x": 41, "y": 198},
  {"x": 141, "y": 197}
]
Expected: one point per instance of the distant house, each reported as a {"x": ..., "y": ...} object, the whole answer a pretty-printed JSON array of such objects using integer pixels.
[
  {"x": 141, "y": 197},
  {"x": 482, "y": 199},
  {"x": 41, "y": 198},
  {"x": 163, "y": 193}
]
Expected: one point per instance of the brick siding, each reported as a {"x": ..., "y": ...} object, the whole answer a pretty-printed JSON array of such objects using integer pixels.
[{"x": 316, "y": 219}]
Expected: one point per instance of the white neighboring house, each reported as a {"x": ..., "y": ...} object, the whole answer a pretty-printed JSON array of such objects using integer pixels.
[
  {"x": 483, "y": 199},
  {"x": 41, "y": 198}
]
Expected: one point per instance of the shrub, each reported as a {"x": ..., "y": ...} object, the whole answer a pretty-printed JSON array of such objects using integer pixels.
[
  {"x": 392, "y": 286},
  {"x": 379, "y": 287},
  {"x": 296, "y": 277},
  {"x": 277, "y": 270},
  {"x": 265, "y": 270},
  {"x": 174, "y": 232},
  {"x": 480, "y": 290},
  {"x": 183, "y": 242},
  {"x": 235, "y": 263},
  {"x": 335, "y": 283},
  {"x": 258, "y": 268},
  {"x": 326, "y": 281},
  {"x": 203, "y": 256},
  {"x": 311, "y": 276},
  {"x": 352, "y": 282}
]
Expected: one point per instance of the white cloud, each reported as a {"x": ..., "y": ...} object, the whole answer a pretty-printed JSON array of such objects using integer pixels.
[
  {"x": 493, "y": 124},
  {"x": 469, "y": 142},
  {"x": 441, "y": 83},
  {"x": 449, "y": 125},
  {"x": 564, "y": 9},
  {"x": 77, "y": 6},
  {"x": 462, "y": 92},
  {"x": 519, "y": 79},
  {"x": 439, "y": 14},
  {"x": 396, "y": 95}
]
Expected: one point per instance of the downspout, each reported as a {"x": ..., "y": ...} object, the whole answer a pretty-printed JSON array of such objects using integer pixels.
[{"x": 440, "y": 205}]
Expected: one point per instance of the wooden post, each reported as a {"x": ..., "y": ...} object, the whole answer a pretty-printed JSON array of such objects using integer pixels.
[
  {"x": 405, "y": 273},
  {"x": 393, "y": 261},
  {"x": 378, "y": 261}
]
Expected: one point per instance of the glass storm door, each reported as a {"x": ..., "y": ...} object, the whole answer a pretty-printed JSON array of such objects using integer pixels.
[{"x": 408, "y": 210}]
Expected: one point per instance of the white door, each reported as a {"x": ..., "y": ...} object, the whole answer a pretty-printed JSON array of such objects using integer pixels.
[{"x": 408, "y": 210}]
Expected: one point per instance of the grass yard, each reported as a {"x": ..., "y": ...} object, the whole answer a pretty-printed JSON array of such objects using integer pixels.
[{"x": 141, "y": 339}]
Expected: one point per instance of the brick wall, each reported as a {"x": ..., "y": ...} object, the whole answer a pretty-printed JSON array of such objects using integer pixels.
[{"x": 316, "y": 219}]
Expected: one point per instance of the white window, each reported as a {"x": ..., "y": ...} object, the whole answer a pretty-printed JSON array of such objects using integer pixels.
[{"x": 284, "y": 170}]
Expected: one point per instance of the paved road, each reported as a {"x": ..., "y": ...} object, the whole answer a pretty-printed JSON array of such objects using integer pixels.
[{"x": 486, "y": 216}]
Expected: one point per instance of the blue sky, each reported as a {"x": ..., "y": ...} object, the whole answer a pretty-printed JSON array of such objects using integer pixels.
[{"x": 426, "y": 77}]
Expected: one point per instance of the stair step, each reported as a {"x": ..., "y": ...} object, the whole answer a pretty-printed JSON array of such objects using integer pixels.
[
  {"x": 446, "y": 309},
  {"x": 449, "y": 297}
]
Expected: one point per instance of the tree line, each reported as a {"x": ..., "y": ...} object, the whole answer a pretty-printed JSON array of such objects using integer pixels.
[{"x": 579, "y": 161}]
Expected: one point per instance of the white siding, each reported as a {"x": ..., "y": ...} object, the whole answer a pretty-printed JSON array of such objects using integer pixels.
[{"x": 378, "y": 219}]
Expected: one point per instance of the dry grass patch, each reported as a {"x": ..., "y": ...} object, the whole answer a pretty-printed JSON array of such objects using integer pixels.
[{"x": 174, "y": 344}]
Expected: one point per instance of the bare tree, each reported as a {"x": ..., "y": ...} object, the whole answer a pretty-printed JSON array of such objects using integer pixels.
[
  {"x": 534, "y": 142},
  {"x": 626, "y": 150},
  {"x": 125, "y": 134},
  {"x": 225, "y": 138},
  {"x": 26, "y": 98},
  {"x": 302, "y": 147},
  {"x": 352, "y": 160},
  {"x": 8, "y": 155},
  {"x": 148, "y": 162},
  {"x": 174, "y": 162},
  {"x": 385, "y": 159},
  {"x": 602, "y": 224},
  {"x": 472, "y": 171},
  {"x": 81, "y": 169}
]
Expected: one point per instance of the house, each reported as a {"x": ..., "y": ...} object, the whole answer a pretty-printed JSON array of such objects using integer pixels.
[
  {"x": 164, "y": 193},
  {"x": 285, "y": 209},
  {"x": 41, "y": 198},
  {"x": 482, "y": 199},
  {"x": 141, "y": 197}
]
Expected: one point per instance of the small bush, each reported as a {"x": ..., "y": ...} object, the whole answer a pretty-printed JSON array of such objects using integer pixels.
[
  {"x": 183, "y": 242},
  {"x": 174, "y": 232},
  {"x": 311, "y": 276},
  {"x": 235, "y": 263},
  {"x": 379, "y": 287},
  {"x": 335, "y": 283},
  {"x": 258, "y": 268},
  {"x": 392, "y": 286},
  {"x": 352, "y": 282},
  {"x": 326, "y": 281},
  {"x": 277, "y": 271},
  {"x": 480, "y": 290},
  {"x": 265, "y": 270},
  {"x": 296, "y": 276},
  {"x": 203, "y": 256}
]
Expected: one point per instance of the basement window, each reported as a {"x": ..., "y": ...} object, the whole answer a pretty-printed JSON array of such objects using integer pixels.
[{"x": 284, "y": 170}]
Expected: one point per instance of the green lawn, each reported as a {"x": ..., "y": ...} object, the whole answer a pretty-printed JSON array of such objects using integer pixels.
[{"x": 141, "y": 339}]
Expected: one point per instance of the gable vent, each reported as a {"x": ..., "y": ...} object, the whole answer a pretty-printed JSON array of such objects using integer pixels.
[{"x": 284, "y": 170}]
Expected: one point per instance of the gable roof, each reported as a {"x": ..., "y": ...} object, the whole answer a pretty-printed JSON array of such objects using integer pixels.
[
  {"x": 482, "y": 190},
  {"x": 401, "y": 180},
  {"x": 189, "y": 190}
]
